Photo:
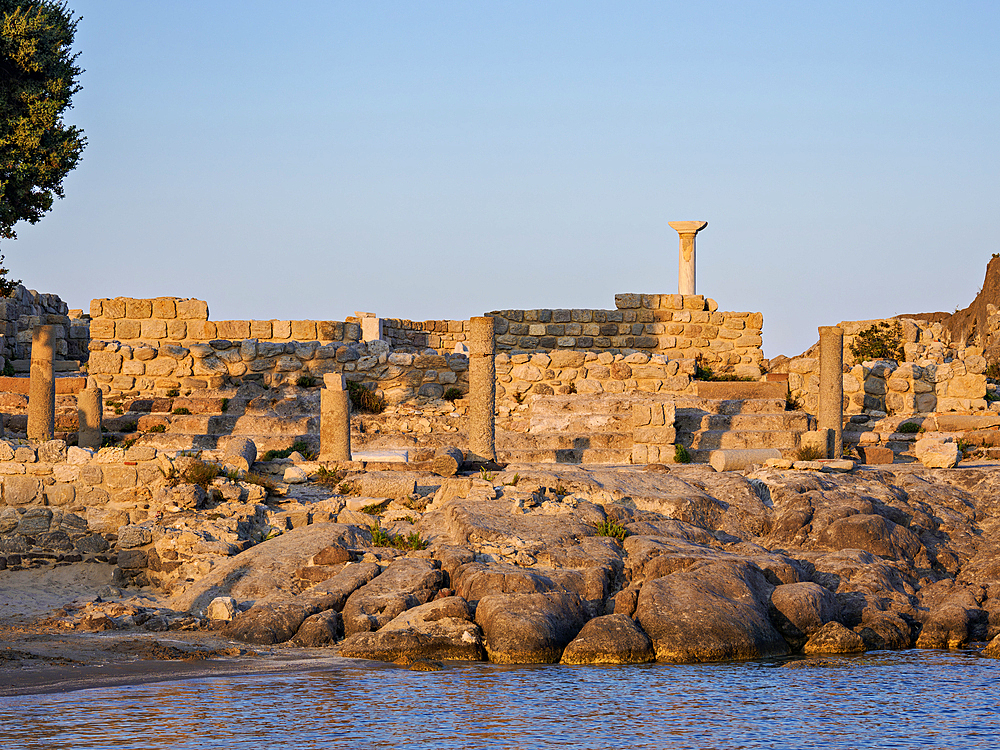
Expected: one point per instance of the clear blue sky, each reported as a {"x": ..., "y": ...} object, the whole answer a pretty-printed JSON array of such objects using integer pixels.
[{"x": 443, "y": 159}]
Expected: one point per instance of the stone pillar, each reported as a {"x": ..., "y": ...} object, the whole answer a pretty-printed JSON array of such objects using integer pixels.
[
  {"x": 482, "y": 391},
  {"x": 334, "y": 419},
  {"x": 90, "y": 414},
  {"x": 42, "y": 387},
  {"x": 685, "y": 272},
  {"x": 831, "y": 388},
  {"x": 371, "y": 326}
]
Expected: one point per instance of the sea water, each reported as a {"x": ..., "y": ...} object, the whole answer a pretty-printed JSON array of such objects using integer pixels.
[{"x": 909, "y": 699}]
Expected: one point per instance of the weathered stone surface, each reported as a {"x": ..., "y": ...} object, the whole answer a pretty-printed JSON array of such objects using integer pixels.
[
  {"x": 834, "y": 638},
  {"x": 529, "y": 628},
  {"x": 391, "y": 484},
  {"x": 611, "y": 639},
  {"x": 320, "y": 629},
  {"x": 937, "y": 455},
  {"x": 268, "y": 568},
  {"x": 713, "y": 612},
  {"x": 874, "y": 534},
  {"x": 221, "y": 608},
  {"x": 406, "y": 583},
  {"x": 441, "y": 629},
  {"x": 134, "y": 536},
  {"x": 334, "y": 591},
  {"x": 800, "y": 609},
  {"x": 269, "y": 622},
  {"x": 947, "y": 627}
]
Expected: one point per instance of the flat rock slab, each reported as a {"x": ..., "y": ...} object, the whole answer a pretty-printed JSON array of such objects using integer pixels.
[{"x": 406, "y": 583}]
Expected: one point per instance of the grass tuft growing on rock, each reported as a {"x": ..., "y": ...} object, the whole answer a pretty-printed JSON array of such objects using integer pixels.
[
  {"x": 909, "y": 428},
  {"x": 681, "y": 454},
  {"x": 809, "y": 453},
  {"x": 612, "y": 529},
  {"x": 382, "y": 538},
  {"x": 364, "y": 400}
]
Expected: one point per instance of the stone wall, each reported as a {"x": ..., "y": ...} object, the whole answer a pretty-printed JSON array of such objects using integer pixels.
[
  {"x": 158, "y": 368},
  {"x": 174, "y": 319},
  {"x": 672, "y": 325},
  {"x": 934, "y": 376},
  {"x": 653, "y": 432},
  {"x": 568, "y": 371},
  {"x": 23, "y": 311}
]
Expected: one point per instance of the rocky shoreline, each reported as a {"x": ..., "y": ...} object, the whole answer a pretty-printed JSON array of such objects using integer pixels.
[{"x": 579, "y": 565}]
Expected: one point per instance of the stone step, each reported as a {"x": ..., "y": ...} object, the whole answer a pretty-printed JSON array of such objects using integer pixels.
[
  {"x": 585, "y": 404},
  {"x": 579, "y": 423},
  {"x": 715, "y": 439},
  {"x": 58, "y": 365},
  {"x": 565, "y": 456},
  {"x": 741, "y": 390},
  {"x": 731, "y": 406},
  {"x": 202, "y": 424},
  {"x": 790, "y": 420},
  {"x": 565, "y": 441}
]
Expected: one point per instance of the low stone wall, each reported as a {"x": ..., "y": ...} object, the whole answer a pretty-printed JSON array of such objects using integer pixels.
[
  {"x": 121, "y": 369},
  {"x": 564, "y": 372},
  {"x": 653, "y": 432},
  {"x": 440, "y": 335},
  {"x": 182, "y": 320},
  {"x": 934, "y": 376},
  {"x": 24, "y": 310}
]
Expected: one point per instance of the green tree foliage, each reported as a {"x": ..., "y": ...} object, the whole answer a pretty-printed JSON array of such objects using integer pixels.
[
  {"x": 883, "y": 340},
  {"x": 38, "y": 77}
]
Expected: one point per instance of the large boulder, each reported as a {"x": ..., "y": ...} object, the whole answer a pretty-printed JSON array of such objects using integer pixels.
[
  {"x": 611, "y": 639},
  {"x": 884, "y": 630},
  {"x": 267, "y": 623},
  {"x": 334, "y": 591},
  {"x": 320, "y": 629},
  {"x": 800, "y": 609},
  {"x": 406, "y": 583},
  {"x": 529, "y": 628},
  {"x": 874, "y": 534},
  {"x": 834, "y": 638},
  {"x": 947, "y": 627},
  {"x": 713, "y": 612},
  {"x": 441, "y": 629}
]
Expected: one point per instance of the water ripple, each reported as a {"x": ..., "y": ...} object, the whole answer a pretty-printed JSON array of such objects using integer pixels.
[{"x": 913, "y": 699}]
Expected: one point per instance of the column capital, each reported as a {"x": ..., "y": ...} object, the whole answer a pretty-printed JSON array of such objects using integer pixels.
[{"x": 688, "y": 227}]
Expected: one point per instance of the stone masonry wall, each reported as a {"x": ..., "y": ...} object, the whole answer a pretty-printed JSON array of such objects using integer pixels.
[
  {"x": 131, "y": 321},
  {"x": 934, "y": 376},
  {"x": 672, "y": 325},
  {"x": 24, "y": 310}
]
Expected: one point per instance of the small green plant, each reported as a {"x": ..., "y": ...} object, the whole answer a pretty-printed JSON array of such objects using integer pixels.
[
  {"x": 347, "y": 488},
  {"x": 181, "y": 410},
  {"x": 909, "y": 428},
  {"x": 513, "y": 482},
  {"x": 792, "y": 403},
  {"x": 173, "y": 393},
  {"x": 702, "y": 372},
  {"x": 571, "y": 388},
  {"x": 225, "y": 405},
  {"x": 993, "y": 370},
  {"x": 612, "y": 529},
  {"x": 452, "y": 394},
  {"x": 128, "y": 427},
  {"x": 992, "y": 396},
  {"x": 299, "y": 446},
  {"x": 519, "y": 397},
  {"x": 809, "y": 453},
  {"x": 681, "y": 454},
  {"x": 157, "y": 428},
  {"x": 488, "y": 476},
  {"x": 382, "y": 538},
  {"x": 201, "y": 473},
  {"x": 331, "y": 478},
  {"x": 8, "y": 369},
  {"x": 364, "y": 400},
  {"x": 883, "y": 340},
  {"x": 305, "y": 381},
  {"x": 965, "y": 448},
  {"x": 560, "y": 490},
  {"x": 376, "y": 509}
]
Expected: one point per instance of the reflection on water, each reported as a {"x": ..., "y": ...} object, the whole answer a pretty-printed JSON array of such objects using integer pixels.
[{"x": 898, "y": 700}]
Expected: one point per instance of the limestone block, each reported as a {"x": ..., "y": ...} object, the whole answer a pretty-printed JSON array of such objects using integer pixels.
[
  {"x": 287, "y": 363},
  {"x": 628, "y": 301},
  {"x": 126, "y": 330},
  {"x": 96, "y": 308},
  {"x": 143, "y": 353},
  {"x": 875, "y": 386},
  {"x": 164, "y": 308},
  {"x": 22, "y": 490},
  {"x": 937, "y": 455},
  {"x": 967, "y": 386},
  {"x": 138, "y": 308},
  {"x": 133, "y": 367},
  {"x": 803, "y": 365},
  {"x": 114, "y": 308},
  {"x": 741, "y": 459},
  {"x": 200, "y": 330},
  {"x": 102, "y": 329},
  {"x": 104, "y": 363},
  {"x": 655, "y": 435},
  {"x": 192, "y": 309},
  {"x": 260, "y": 329},
  {"x": 234, "y": 330},
  {"x": 975, "y": 364},
  {"x": 898, "y": 385},
  {"x": 281, "y": 329},
  {"x": 874, "y": 454},
  {"x": 212, "y": 365},
  {"x": 177, "y": 330},
  {"x": 304, "y": 330}
]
